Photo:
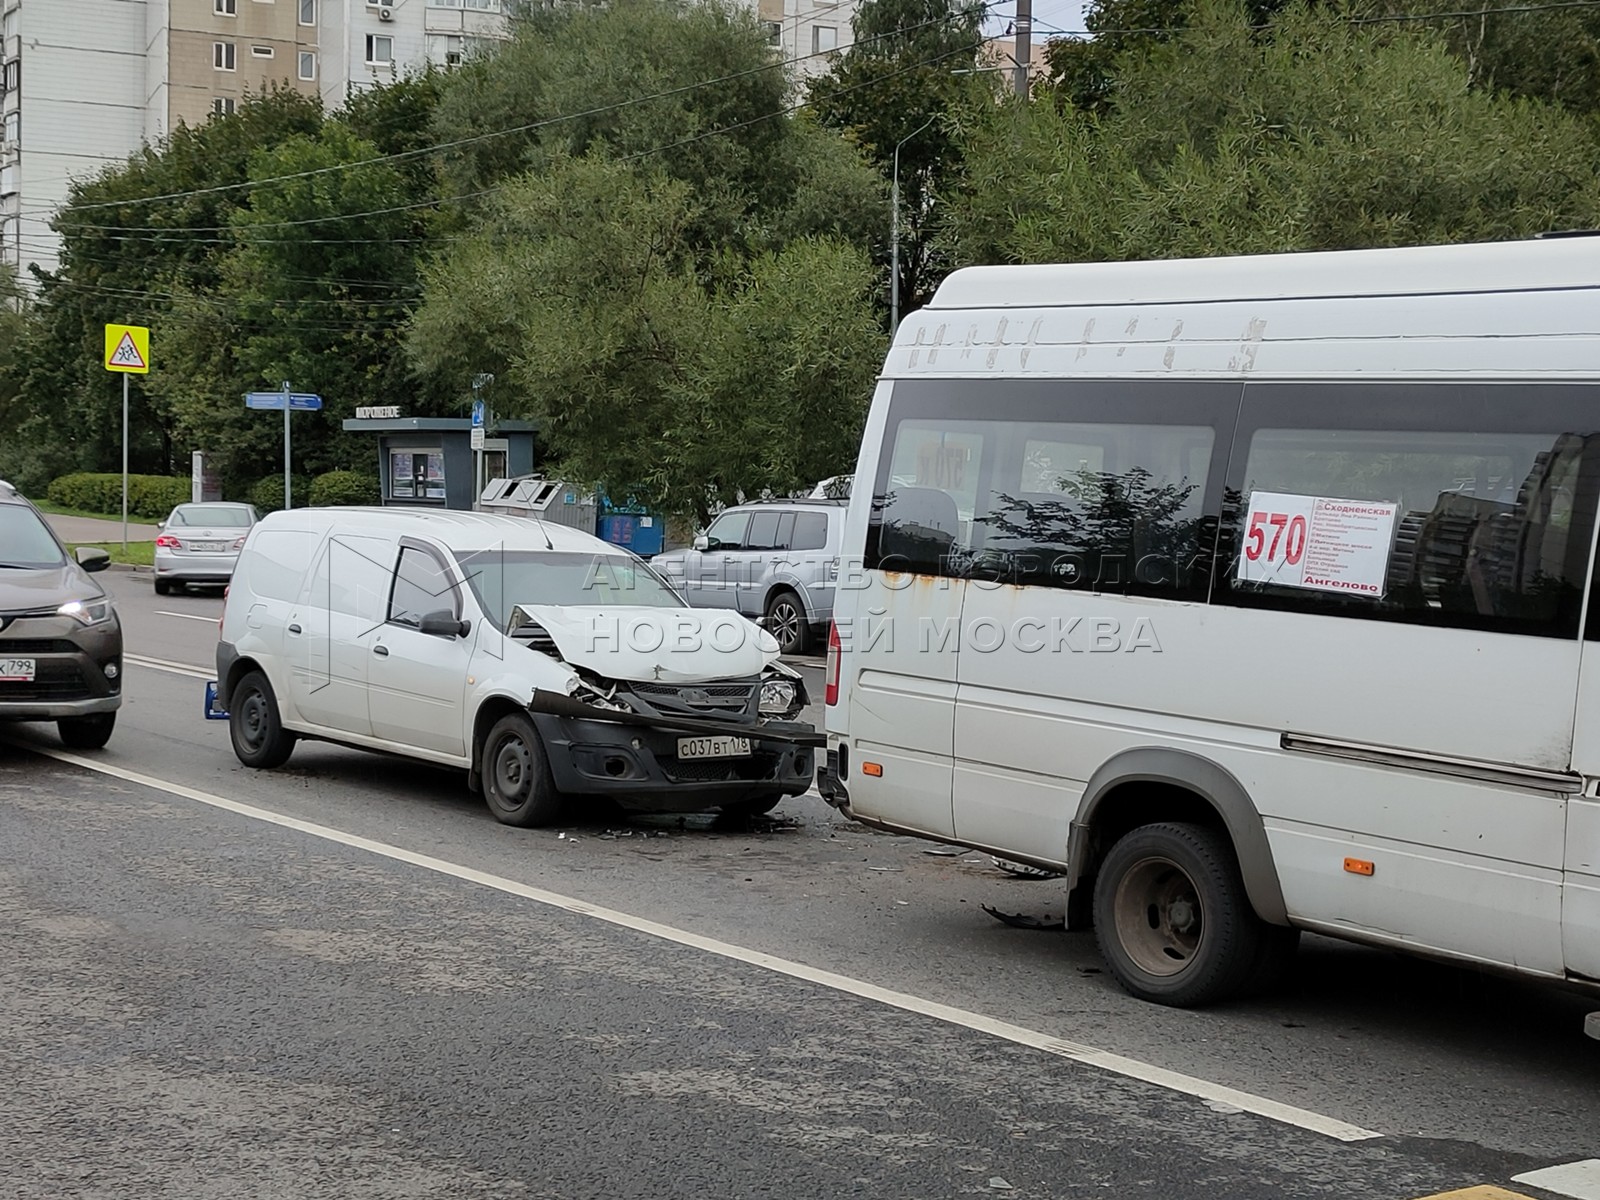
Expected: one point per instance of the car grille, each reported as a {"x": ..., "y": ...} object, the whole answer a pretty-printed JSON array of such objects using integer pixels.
[
  {"x": 56, "y": 681},
  {"x": 715, "y": 770},
  {"x": 10, "y": 646},
  {"x": 734, "y": 700}
]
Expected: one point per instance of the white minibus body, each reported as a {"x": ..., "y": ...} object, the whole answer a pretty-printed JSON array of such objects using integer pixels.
[{"x": 1252, "y": 594}]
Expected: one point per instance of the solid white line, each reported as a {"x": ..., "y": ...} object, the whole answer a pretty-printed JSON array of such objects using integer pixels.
[
  {"x": 186, "y": 616},
  {"x": 1089, "y": 1055},
  {"x": 172, "y": 668},
  {"x": 1580, "y": 1180}
]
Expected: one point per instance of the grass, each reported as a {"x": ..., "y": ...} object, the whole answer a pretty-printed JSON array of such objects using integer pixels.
[
  {"x": 139, "y": 554},
  {"x": 58, "y": 510}
]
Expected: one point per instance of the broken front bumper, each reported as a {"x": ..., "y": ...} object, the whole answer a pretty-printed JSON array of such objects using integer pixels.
[{"x": 602, "y": 752}]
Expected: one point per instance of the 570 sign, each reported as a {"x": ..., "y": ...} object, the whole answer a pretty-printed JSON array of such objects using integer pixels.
[{"x": 1316, "y": 542}]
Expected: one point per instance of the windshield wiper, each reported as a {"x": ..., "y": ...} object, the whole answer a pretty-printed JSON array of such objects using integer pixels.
[{"x": 19, "y": 567}]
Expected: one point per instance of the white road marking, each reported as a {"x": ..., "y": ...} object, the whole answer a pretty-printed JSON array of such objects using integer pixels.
[
  {"x": 172, "y": 668},
  {"x": 186, "y": 616},
  {"x": 1581, "y": 1180},
  {"x": 1105, "y": 1060}
]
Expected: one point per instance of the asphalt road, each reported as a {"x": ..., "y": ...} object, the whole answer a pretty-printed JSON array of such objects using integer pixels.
[{"x": 344, "y": 979}]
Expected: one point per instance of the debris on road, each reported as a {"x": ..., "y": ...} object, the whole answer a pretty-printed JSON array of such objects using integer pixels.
[{"x": 1023, "y": 921}]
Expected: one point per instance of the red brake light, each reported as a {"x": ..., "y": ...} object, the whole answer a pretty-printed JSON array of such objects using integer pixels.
[
  {"x": 835, "y": 657},
  {"x": 168, "y": 542}
]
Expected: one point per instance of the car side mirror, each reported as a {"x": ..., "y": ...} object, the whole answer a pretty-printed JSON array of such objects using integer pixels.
[
  {"x": 702, "y": 542},
  {"x": 444, "y": 623},
  {"x": 92, "y": 559}
]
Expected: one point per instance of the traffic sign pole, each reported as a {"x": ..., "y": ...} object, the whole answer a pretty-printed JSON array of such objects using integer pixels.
[
  {"x": 288, "y": 498},
  {"x": 124, "y": 464}
]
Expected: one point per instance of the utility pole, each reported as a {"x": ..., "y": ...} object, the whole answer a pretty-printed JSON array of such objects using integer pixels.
[
  {"x": 288, "y": 498},
  {"x": 894, "y": 230},
  {"x": 1024, "y": 44}
]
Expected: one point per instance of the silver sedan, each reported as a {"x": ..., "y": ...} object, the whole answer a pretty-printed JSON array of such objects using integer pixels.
[{"x": 200, "y": 544}]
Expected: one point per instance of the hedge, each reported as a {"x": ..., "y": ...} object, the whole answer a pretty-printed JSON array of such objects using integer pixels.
[
  {"x": 152, "y": 496},
  {"x": 267, "y": 494},
  {"x": 343, "y": 487}
]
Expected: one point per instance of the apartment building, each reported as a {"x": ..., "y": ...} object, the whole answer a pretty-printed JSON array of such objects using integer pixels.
[
  {"x": 84, "y": 83},
  {"x": 808, "y": 32}
]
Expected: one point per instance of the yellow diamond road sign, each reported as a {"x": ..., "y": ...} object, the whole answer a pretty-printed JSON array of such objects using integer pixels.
[{"x": 128, "y": 349}]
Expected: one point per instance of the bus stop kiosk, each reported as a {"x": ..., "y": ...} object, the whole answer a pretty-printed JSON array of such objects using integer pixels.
[{"x": 430, "y": 461}]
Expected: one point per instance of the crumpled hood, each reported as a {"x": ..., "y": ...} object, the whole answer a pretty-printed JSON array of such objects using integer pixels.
[{"x": 669, "y": 645}]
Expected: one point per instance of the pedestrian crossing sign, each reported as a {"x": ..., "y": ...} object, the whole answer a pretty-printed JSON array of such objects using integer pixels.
[{"x": 128, "y": 349}]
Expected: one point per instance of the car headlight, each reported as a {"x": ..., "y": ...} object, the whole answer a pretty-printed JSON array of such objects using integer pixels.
[
  {"x": 777, "y": 696},
  {"x": 89, "y": 612}
]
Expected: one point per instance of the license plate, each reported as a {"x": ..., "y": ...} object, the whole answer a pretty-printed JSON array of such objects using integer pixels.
[
  {"x": 16, "y": 670},
  {"x": 713, "y": 747},
  {"x": 204, "y": 547}
]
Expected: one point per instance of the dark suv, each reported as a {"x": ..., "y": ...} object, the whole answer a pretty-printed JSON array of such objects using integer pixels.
[{"x": 60, "y": 640}]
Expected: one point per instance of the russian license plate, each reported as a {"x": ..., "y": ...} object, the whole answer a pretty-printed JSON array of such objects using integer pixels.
[
  {"x": 713, "y": 747},
  {"x": 16, "y": 670},
  {"x": 207, "y": 547}
]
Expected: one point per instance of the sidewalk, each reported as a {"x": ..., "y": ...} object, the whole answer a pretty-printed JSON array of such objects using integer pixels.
[{"x": 75, "y": 530}]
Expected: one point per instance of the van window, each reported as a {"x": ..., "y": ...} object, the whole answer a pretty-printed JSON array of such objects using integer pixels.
[
  {"x": 421, "y": 586},
  {"x": 1468, "y": 521},
  {"x": 276, "y": 562},
  {"x": 352, "y": 577},
  {"x": 810, "y": 531}
]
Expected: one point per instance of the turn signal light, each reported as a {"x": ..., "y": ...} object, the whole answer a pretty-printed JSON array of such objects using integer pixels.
[
  {"x": 1358, "y": 866},
  {"x": 872, "y": 768}
]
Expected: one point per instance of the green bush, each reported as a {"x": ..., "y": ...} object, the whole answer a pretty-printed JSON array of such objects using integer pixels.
[
  {"x": 152, "y": 496},
  {"x": 343, "y": 487},
  {"x": 267, "y": 494}
]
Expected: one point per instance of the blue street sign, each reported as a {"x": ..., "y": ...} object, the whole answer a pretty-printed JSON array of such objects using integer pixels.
[
  {"x": 298, "y": 401},
  {"x": 477, "y": 414}
]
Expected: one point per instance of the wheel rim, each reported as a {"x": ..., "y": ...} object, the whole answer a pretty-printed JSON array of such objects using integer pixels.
[
  {"x": 1159, "y": 918},
  {"x": 513, "y": 769},
  {"x": 253, "y": 720},
  {"x": 785, "y": 623}
]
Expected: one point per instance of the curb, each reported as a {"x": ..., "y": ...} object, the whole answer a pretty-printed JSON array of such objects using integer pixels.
[{"x": 130, "y": 569}]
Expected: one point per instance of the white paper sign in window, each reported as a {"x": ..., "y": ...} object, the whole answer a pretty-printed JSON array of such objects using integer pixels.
[{"x": 1315, "y": 542}]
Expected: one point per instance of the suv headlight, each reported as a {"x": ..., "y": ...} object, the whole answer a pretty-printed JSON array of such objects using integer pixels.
[
  {"x": 89, "y": 612},
  {"x": 777, "y": 696}
]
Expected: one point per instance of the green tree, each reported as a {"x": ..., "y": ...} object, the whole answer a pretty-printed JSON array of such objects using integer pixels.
[
  {"x": 910, "y": 70},
  {"x": 1320, "y": 135},
  {"x": 586, "y": 294}
]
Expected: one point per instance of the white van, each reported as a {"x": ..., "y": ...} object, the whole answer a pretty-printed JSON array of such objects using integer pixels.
[
  {"x": 547, "y": 663},
  {"x": 1254, "y": 595}
]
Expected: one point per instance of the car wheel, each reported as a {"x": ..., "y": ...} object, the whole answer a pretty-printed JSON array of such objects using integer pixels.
[
  {"x": 163, "y": 587},
  {"x": 1172, "y": 918},
  {"x": 786, "y": 621},
  {"x": 516, "y": 777},
  {"x": 259, "y": 738},
  {"x": 87, "y": 733},
  {"x": 758, "y": 805}
]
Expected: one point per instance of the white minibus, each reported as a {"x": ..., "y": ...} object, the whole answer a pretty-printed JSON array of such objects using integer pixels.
[{"x": 1253, "y": 595}]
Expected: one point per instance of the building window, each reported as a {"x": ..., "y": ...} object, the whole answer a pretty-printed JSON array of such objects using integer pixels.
[
  {"x": 308, "y": 65},
  {"x": 380, "y": 3},
  {"x": 11, "y": 76},
  {"x": 223, "y": 56},
  {"x": 824, "y": 38},
  {"x": 308, "y": 12},
  {"x": 380, "y": 50},
  {"x": 13, "y": 128},
  {"x": 416, "y": 475},
  {"x": 222, "y": 106},
  {"x": 225, "y": 8},
  {"x": 477, "y": 5},
  {"x": 8, "y": 180},
  {"x": 774, "y": 31},
  {"x": 262, "y": 51}
]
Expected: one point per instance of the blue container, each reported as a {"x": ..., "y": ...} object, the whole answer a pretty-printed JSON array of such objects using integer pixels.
[{"x": 638, "y": 532}]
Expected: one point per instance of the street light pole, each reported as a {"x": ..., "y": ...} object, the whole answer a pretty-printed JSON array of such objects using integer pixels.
[{"x": 894, "y": 230}]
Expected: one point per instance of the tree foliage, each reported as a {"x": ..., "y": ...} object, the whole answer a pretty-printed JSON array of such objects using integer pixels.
[{"x": 1321, "y": 135}]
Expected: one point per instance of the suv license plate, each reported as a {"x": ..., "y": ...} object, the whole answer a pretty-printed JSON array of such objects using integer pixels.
[
  {"x": 16, "y": 670},
  {"x": 713, "y": 747}
]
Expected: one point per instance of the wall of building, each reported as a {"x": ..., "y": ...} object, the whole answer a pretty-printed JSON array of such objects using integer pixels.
[{"x": 261, "y": 41}]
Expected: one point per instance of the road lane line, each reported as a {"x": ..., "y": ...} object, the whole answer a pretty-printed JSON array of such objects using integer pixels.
[
  {"x": 1481, "y": 1192},
  {"x": 172, "y": 668},
  {"x": 1091, "y": 1056},
  {"x": 186, "y": 616},
  {"x": 1580, "y": 1180}
]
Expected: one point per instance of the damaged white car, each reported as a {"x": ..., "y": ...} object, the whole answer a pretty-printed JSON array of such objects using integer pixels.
[{"x": 549, "y": 664}]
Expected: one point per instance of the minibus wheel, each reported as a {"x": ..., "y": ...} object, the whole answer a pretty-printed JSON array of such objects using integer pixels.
[
  {"x": 255, "y": 726},
  {"x": 1172, "y": 918},
  {"x": 516, "y": 776}
]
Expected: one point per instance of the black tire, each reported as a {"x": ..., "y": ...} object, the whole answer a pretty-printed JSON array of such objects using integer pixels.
[
  {"x": 758, "y": 805},
  {"x": 254, "y": 725},
  {"x": 787, "y": 621},
  {"x": 1172, "y": 918},
  {"x": 87, "y": 733},
  {"x": 163, "y": 587},
  {"x": 516, "y": 775}
]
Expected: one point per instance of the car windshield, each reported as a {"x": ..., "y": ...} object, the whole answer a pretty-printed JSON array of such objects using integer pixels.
[
  {"x": 25, "y": 540},
  {"x": 504, "y": 578},
  {"x": 211, "y": 514}
]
